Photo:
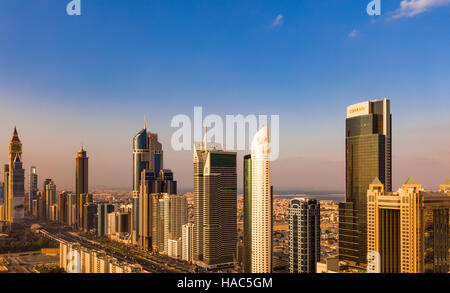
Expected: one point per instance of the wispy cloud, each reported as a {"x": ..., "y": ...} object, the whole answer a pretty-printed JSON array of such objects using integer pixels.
[
  {"x": 410, "y": 8},
  {"x": 353, "y": 34},
  {"x": 278, "y": 20}
]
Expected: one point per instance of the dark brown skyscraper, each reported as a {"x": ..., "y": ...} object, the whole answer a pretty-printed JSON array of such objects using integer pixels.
[
  {"x": 81, "y": 184},
  {"x": 81, "y": 161},
  {"x": 368, "y": 155}
]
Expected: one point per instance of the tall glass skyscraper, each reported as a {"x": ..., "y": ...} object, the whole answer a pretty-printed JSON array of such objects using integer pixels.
[
  {"x": 368, "y": 142},
  {"x": 247, "y": 262},
  {"x": 32, "y": 190},
  {"x": 147, "y": 155},
  {"x": 215, "y": 206}
]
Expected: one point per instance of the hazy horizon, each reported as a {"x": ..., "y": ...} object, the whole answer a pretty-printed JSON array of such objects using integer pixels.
[{"x": 67, "y": 81}]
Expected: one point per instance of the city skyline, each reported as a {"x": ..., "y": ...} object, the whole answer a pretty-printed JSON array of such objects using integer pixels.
[{"x": 265, "y": 58}]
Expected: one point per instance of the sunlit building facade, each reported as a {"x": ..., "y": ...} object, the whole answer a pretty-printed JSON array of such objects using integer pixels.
[
  {"x": 368, "y": 142},
  {"x": 304, "y": 235},
  {"x": 408, "y": 230},
  {"x": 215, "y": 206},
  {"x": 261, "y": 204}
]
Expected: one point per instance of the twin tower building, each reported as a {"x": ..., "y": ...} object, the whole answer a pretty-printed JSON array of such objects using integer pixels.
[{"x": 213, "y": 240}]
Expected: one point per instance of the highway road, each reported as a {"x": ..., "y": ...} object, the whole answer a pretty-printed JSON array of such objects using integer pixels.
[{"x": 146, "y": 263}]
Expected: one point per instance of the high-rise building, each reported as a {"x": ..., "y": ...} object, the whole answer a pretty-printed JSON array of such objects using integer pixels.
[
  {"x": 247, "y": 254},
  {"x": 1, "y": 192},
  {"x": 187, "y": 239},
  {"x": 304, "y": 235},
  {"x": 157, "y": 223},
  {"x": 89, "y": 213},
  {"x": 102, "y": 218},
  {"x": 5, "y": 206},
  {"x": 82, "y": 175},
  {"x": 368, "y": 140},
  {"x": 50, "y": 197},
  {"x": 215, "y": 227},
  {"x": 408, "y": 230},
  {"x": 174, "y": 248},
  {"x": 16, "y": 182},
  {"x": 261, "y": 204},
  {"x": 147, "y": 155},
  {"x": 72, "y": 214},
  {"x": 63, "y": 208},
  {"x": 32, "y": 190},
  {"x": 175, "y": 216},
  {"x": 82, "y": 200},
  {"x": 81, "y": 184}
]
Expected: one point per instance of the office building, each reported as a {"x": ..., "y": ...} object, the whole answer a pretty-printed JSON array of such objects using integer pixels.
[
  {"x": 89, "y": 214},
  {"x": 247, "y": 245},
  {"x": 32, "y": 190},
  {"x": 147, "y": 155},
  {"x": 187, "y": 239},
  {"x": 261, "y": 204},
  {"x": 174, "y": 248},
  {"x": 304, "y": 235},
  {"x": 175, "y": 216},
  {"x": 63, "y": 208},
  {"x": 50, "y": 197},
  {"x": 408, "y": 230},
  {"x": 102, "y": 218},
  {"x": 82, "y": 200},
  {"x": 368, "y": 155},
  {"x": 81, "y": 185},
  {"x": 15, "y": 204},
  {"x": 215, "y": 223}
]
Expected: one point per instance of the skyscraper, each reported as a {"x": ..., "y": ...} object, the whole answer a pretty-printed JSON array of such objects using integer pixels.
[
  {"x": 82, "y": 200},
  {"x": 261, "y": 204},
  {"x": 102, "y": 218},
  {"x": 5, "y": 206},
  {"x": 175, "y": 216},
  {"x": 215, "y": 231},
  {"x": 247, "y": 267},
  {"x": 187, "y": 242},
  {"x": 32, "y": 189},
  {"x": 82, "y": 175},
  {"x": 408, "y": 230},
  {"x": 81, "y": 186},
  {"x": 50, "y": 197},
  {"x": 147, "y": 155},
  {"x": 304, "y": 235},
  {"x": 368, "y": 155},
  {"x": 16, "y": 185}
]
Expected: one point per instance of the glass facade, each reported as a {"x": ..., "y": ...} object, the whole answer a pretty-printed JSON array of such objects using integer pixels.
[
  {"x": 247, "y": 213},
  {"x": 368, "y": 156}
]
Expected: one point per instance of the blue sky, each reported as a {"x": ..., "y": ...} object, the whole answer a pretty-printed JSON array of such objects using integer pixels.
[{"x": 66, "y": 80}]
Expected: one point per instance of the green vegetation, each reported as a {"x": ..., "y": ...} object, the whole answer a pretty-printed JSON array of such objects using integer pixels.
[
  {"x": 21, "y": 239},
  {"x": 49, "y": 269}
]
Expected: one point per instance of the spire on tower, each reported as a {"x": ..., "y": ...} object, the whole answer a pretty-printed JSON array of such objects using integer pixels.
[{"x": 15, "y": 136}]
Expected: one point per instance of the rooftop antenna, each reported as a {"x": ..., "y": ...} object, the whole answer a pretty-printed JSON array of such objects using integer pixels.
[{"x": 145, "y": 122}]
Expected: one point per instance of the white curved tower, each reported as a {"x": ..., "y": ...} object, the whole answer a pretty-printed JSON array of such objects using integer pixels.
[{"x": 261, "y": 204}]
